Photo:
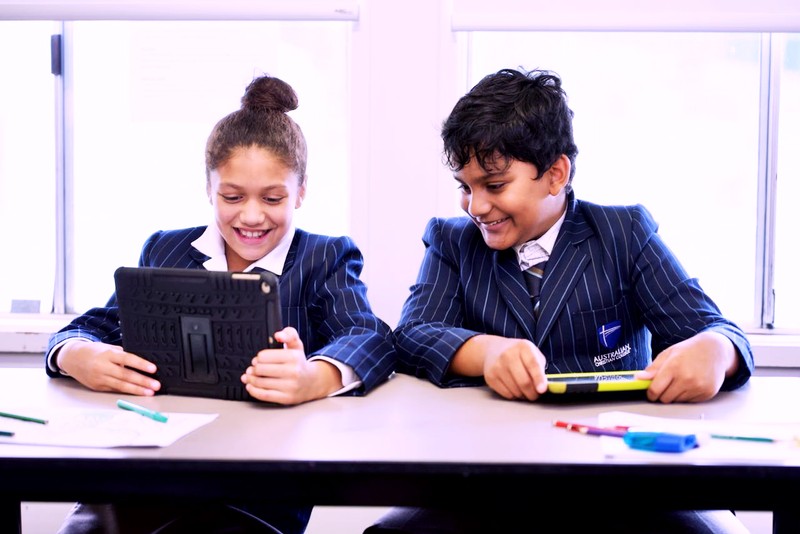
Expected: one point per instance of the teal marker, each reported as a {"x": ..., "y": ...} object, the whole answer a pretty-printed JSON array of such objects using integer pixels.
[
  {"x": 6, "y": 434},
  {"x": 23, "y": 418},
  {"x": 744, "y": 438},
  {"x": 141, "y": 410}
]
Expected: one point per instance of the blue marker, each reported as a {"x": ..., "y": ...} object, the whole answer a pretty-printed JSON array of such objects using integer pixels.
[{"x": 660, "y": 441}]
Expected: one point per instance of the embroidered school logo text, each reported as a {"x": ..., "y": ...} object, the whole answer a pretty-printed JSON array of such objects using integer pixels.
[{"x": 609, "y": 357}]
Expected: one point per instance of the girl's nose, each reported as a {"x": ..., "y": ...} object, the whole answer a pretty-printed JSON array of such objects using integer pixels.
[{"x": 252, "y": 213}]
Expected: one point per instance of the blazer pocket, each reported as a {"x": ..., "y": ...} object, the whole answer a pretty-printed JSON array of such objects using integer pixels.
[{"x": 602, "y": 330}]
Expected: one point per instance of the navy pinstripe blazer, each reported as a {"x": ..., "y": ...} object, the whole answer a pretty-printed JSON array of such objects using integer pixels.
[
  {"x": 611, "y": 295},
  {"x": 322, "y": 297}
]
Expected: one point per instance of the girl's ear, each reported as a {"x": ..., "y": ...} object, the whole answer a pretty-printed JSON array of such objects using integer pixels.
[{"x": 558, "y": 174}]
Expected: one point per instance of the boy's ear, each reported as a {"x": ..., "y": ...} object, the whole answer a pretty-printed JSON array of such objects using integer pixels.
[{"x": 559, "y": 174}]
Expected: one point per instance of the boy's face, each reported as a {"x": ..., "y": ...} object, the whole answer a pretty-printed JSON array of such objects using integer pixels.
[
  {"x": 254, "y": 196},
  {"x": 509, "y": 205}
]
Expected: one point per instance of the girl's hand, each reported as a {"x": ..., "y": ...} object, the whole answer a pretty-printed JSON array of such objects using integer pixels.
[
  {"x": 285, "y": 376},
  {"x": 104, "y": 367}
]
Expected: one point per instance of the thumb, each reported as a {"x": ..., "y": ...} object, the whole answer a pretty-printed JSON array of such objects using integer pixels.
[
  {"x": 650, "y": 371},
  {"x": 290, "y": 338}
]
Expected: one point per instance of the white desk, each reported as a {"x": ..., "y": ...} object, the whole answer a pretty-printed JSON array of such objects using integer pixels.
[{"x": 407, "y": 443}]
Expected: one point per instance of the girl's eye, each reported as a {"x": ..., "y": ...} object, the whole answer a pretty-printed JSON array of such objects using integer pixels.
[
  {"x": 230, "y": 198},
  {"x": 274, "y": 200}
]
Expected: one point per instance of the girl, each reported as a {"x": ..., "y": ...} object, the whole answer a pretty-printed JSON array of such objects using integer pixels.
[{"x": 333, "y": 344}]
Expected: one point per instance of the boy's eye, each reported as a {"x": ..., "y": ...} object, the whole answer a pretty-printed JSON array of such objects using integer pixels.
[
  {"x": 464, "y": 188},
  {"x": 495, "y": 186}
]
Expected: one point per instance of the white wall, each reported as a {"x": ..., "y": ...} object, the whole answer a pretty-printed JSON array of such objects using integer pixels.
[{"x": 402, "y": 50}]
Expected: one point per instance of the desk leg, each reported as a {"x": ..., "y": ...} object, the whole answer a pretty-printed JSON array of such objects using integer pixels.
[
  {"x": 785, "y": 521},
  {"x": 10, "y": 518}
]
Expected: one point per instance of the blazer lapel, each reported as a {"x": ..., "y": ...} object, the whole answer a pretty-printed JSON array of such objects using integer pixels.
[
  {"x": 513, "y": 290},
  {"x": 291, "y": 256},
  {"x": 198, "y": 257},
  {"x": 564, "y": 269}
]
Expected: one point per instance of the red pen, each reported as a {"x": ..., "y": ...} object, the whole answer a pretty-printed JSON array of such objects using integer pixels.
[{"x": 617, "y": 432}]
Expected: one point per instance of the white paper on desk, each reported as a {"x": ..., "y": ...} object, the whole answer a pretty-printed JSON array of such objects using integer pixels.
[
  {"x": 103, "y": 429},
  {"x": 710, "y": 450}
]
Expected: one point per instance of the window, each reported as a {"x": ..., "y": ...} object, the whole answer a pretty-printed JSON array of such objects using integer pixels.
[
  {"x": 27, "y": 168},
  {"x": 140, "y": 99},
  {"x": 787, "y": 260}
]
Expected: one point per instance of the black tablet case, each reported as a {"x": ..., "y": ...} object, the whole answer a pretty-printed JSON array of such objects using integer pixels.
[{"x": 201, "y": 328}]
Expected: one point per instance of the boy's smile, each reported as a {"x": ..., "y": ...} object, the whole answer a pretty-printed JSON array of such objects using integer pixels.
[{"x": 509, "y": 204}]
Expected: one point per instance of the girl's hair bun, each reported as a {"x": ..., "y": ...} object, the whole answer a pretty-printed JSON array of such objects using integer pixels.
[{"x": 267, "y": 93}]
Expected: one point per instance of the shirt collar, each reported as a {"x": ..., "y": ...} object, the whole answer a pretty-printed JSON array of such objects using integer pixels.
[
  {"x": 536, "y": 251},
  {"x": 212, "y": 245}
]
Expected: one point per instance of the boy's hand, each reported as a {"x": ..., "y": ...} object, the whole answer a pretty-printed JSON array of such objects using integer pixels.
[
  {"x": 692, "y": 370},
  {"x": 514, "y": 368}
]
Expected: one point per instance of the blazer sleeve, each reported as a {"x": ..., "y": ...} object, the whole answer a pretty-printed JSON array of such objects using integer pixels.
[
  {"x": 333, "y": 314},
  {"x": 675, "y": 306},
  {"x": 432, "y": 326}
]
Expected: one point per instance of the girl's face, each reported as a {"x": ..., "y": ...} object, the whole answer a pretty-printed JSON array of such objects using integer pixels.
[{"x": 254, "y": 196}]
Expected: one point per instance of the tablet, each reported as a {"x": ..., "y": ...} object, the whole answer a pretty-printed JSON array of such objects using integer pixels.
[
  {"x": 201, "y": 328},
  {"x": 609, "y": 381}
]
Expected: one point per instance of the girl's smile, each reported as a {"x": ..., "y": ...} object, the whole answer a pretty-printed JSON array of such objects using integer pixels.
[{"x": 254, "y": 195}]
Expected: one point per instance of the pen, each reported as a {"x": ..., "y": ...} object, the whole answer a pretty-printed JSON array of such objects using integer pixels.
[
  {"x": 6, "y": 434},
  {"x": 141, "y": 410},
  {"x": 591, "y": 430},
  {"x": 23, "y": 418}
]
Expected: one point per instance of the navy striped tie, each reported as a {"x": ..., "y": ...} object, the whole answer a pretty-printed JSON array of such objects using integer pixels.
[{"x": 533, "y": 279}]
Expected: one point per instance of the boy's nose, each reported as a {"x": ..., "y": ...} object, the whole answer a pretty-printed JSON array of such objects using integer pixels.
[{"x": 477, "y": 205}]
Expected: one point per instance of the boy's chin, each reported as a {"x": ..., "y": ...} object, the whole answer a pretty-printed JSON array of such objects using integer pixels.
[{"x": 497, "y": 244}]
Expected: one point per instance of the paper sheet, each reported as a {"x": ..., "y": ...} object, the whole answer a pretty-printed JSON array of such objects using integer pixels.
[
  {"x": 102, "y": 428},
  {"x": 710, "y": 450}
]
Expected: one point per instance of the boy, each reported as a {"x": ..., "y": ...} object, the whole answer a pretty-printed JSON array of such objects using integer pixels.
[{"x": 534, "y": 281}]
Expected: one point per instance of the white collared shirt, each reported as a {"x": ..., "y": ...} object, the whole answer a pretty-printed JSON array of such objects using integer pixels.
[
  {"x": 212, "y": 245},
  {"x": 536, "y": 251}
]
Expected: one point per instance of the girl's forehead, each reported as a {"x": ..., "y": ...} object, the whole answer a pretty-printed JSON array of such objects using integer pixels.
[{"x": 254, "y": 180}]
